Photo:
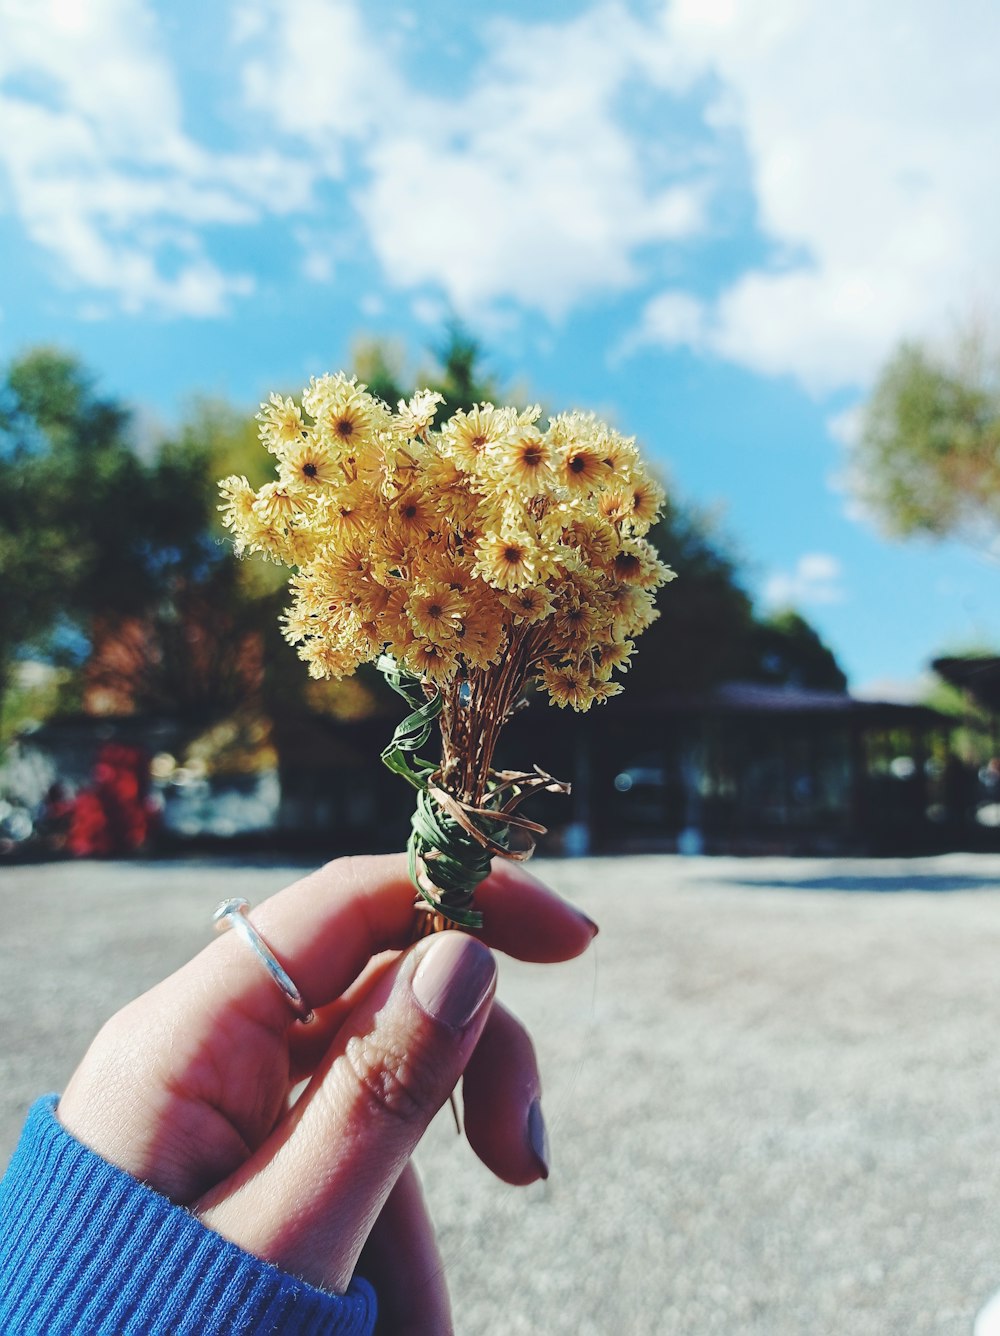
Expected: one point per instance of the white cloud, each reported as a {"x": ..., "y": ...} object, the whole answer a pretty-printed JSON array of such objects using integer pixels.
[
  {"x": 845, "y": 426},
  {"x": 899, "y": 690},
  {"x": 528, "y": 187},
  {"x": 671, "y": 319},
  {"x": 559, "y": 169},
  {"x": 98, "y": 165},
  {"x": 531, "y": 188},
  {"x": 816, "y": 579},
  {"x": 870, "y": 131},
  {"x": 317, "y": 72}
]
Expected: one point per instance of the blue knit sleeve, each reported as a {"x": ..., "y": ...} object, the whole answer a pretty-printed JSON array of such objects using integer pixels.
[{"x": 85, "y": 1250}]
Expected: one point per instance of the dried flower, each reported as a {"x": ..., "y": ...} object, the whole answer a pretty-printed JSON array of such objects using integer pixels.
[{"x": 481, "y": 558}]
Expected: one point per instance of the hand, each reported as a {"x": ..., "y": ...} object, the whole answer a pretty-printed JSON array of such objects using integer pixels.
[{"x": 189, "y": 1087}]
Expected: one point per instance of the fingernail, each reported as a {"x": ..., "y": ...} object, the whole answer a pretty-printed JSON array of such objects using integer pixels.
[
  {"x": 538, "y": 1138},
  {"x": 585, "y": 918},
  {"x": 455, "y": 976}
]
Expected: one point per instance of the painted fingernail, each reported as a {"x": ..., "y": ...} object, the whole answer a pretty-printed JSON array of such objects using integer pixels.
[
  {"x": 538, "y": 1138},
  {"x": 585, "y": 918},
  {"x": 455, "y": 976}
]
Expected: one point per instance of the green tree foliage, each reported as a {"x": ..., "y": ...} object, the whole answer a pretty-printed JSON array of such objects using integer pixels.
[
  {"x": 785, "y": 650},
  {"x": 708, "y": 631},
  {"x": 456, "y": 373},
  {"x": 928, "y": 457},
  {"x": 119, "y": 550},
  {"x": 705, "y": 614},
  {"x": 62, "y": 466}
]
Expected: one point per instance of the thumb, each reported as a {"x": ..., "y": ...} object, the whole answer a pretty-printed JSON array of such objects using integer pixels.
[{"x": 307, "y": 1199}]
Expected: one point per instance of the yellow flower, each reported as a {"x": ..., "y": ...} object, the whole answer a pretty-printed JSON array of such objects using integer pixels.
[
  {"x": 581, "y": 468},
  {"x": 415, "y": 417},
  {"x": 390, "y": 555},
  {"x": 620, "y": 454},
  {"x": 436, "y": 611},
  {"x": 281, "y": 424},
  {"x": 575, "y": 624},
  {"x": 635, "y": 503},
  {"x": 299, "y": 546},
  {"x": 238, "y": 499},
  {"x": 646, "y": 498},
  {"x": 594, "y": 538},
  {"x": 609, "y": 655},
  {"x": 346, "y": 417},
  {"x": 449, "y": 569},
  {"x": 530, "y": 604},
  {"x": 509, "y": 560},
  {"x": 638, "y": 564},
  {"x": 369, "y": 597},
  {"x": 523, "y": 463},
  {"x": 308, "y": 466},
  {"x": 326, "y": 660},
  {"x": 615, "y": 506},
  {"x": 435, "y": 661},
  {"x": 568, "y": 685},
  {"x": 442, "y": 475},
  {"x": 335, "y": 574},
  {"x": 276, "y": 504},
  {"x": 632, "y": 610},
  {"x": 481, "y": 636},
  {"x": 346, "y": 514},
  {"x": 456, "y": 549},
  {"x": 468, "y": 437},
  {"x": 411, "y": 515}
]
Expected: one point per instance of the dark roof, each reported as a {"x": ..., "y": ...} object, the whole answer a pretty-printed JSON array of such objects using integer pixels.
[{"x": 756, "y": 698}]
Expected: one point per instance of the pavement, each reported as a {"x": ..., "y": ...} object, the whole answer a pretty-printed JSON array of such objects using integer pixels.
[{"x": 773, "y": 1089}]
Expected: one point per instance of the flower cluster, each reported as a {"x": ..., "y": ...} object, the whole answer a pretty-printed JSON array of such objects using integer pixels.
[{"x": 483, "y": 555}]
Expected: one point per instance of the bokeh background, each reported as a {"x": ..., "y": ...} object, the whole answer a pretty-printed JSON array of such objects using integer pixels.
[{"x": 759, "y": 236}]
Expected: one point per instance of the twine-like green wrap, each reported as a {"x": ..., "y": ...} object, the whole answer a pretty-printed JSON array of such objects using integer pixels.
[
  {"x": 459, "y": 861},
  {"x": 451, "y": 843}
]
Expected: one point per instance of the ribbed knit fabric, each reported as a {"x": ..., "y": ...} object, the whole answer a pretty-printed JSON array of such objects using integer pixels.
[{"x": 85, "y": 1250}]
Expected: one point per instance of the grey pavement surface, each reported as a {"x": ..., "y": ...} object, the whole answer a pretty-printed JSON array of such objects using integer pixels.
[{"x": 773, "y": 1090}]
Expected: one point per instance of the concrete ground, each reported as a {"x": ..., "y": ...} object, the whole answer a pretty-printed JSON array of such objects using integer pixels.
[{"x": 773, "y": 1090}]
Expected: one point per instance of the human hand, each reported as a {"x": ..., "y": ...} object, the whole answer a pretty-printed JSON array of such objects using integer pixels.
[{"x": 188, "y": 1088}]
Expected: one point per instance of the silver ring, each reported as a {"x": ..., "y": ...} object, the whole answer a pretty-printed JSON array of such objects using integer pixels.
[{"x": 233, "y": 914}]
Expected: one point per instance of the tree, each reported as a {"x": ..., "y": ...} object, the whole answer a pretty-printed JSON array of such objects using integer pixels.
[
  {"x": 785, "y": 650},
  {"x": 705, "y": 614},
  {"x": 62, "y": 456},
  {"x": 457, "y": 372},
  {"x": 194, "y": 642},
  {"x": 708, "y": 631},
  {"x": 118, "y": 550},
  {"x": 928, "y": 457}
]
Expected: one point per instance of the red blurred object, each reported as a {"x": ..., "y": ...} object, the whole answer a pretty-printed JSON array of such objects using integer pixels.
[{"x": 114, "y": 814}]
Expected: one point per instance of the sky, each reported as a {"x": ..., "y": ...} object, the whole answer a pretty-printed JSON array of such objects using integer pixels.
[{"x": 712, "y": 221}]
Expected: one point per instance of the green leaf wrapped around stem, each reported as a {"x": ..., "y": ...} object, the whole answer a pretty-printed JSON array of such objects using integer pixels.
[{"x": 452, "y": 840}]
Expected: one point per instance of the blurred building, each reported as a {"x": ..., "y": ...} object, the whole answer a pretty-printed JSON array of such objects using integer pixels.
[
  {"x": 746, "y": 768},
  {"x": 742, "y": 768}
]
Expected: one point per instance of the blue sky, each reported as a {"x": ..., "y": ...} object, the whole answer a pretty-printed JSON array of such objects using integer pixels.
[{"x": 711, "y": 220}]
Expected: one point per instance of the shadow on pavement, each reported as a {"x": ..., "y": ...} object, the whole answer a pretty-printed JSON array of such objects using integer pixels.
[{"x": 890, "y": 883}]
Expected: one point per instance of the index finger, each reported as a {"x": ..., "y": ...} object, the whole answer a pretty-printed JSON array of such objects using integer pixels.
[{"x": 326, "y": 927}]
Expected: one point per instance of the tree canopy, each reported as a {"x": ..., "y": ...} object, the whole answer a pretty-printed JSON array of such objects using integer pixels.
[
  {"x": 112, "y": 552},
  {"x": 928, "y": 457}
]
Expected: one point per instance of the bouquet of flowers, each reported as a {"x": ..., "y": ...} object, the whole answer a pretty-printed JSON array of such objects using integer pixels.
[{"x": 468, "y": 562}]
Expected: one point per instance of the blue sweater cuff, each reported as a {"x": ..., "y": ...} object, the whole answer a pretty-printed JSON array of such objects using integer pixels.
[{"x": 85, "y": 1248}]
